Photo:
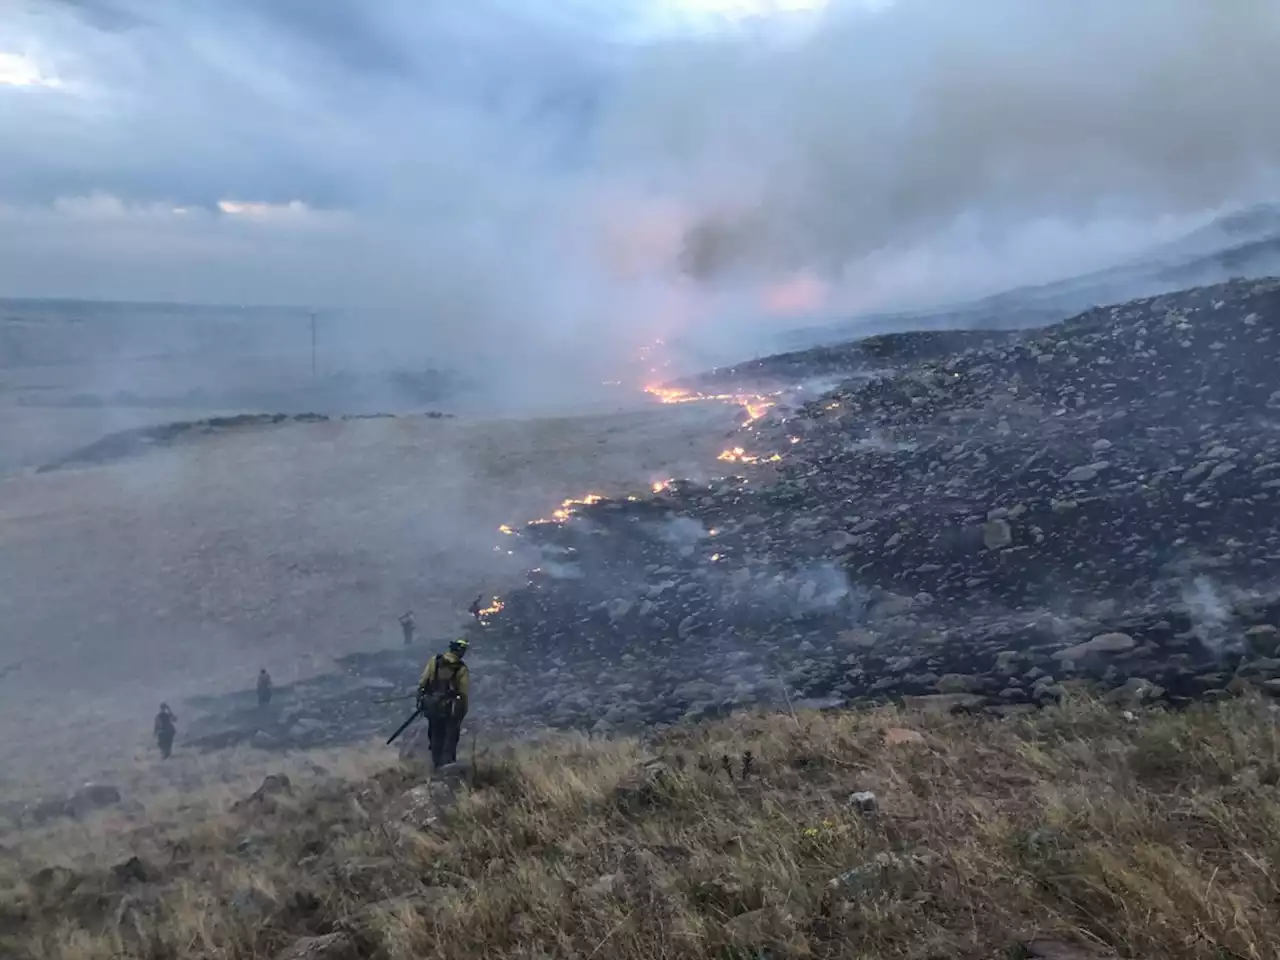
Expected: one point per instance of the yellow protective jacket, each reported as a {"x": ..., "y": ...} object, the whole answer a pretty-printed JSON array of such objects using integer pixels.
[{"x": 461, "y": 679}]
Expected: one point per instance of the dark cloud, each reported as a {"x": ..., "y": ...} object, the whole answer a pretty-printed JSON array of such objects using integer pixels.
[
  {"x": 282, "y": 99},
  {"x": 102, "y": 14},
  {"x": 342, "y": 30}
]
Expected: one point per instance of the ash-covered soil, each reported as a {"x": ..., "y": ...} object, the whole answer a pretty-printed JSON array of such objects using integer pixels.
[
  {"x": 1095, "y": 501},
  {"x": 887, "y": 351}
]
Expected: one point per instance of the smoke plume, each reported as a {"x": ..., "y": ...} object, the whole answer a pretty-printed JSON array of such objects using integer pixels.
[{"x": 512, "y": 184}]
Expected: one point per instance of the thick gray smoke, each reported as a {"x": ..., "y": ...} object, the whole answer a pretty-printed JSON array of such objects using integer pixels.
[{"x": 517, "y": 185}]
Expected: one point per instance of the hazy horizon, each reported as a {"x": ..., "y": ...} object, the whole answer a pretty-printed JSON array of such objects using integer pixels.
[{"x": 556, "y": 185}]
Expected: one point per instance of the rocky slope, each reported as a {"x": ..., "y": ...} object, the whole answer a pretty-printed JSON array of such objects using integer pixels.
[
  {"x": 1094, "y": 501},
  {"x": 1097, "y": 500}
]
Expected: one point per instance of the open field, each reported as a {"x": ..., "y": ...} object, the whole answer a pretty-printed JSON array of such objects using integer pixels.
[{"x": 187, "y": 569}]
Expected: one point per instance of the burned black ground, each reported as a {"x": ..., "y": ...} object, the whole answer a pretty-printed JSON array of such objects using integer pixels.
[{"x": 1094, "y": 501}]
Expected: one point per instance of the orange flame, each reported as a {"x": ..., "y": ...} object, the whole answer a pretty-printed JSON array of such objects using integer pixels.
[
  {"x": 756, "y": 405},
  {"x": 737, "y": 455},
  {"x": 567, "y": 507},
  {"x": 740, "y": 455}
]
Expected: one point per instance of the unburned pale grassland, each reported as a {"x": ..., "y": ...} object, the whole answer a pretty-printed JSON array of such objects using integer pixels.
[
  {"x": 181, "y": 572},
  {"x": 1153, "y": 835}
]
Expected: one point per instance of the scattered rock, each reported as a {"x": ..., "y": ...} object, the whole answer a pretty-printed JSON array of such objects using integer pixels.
[
  {"x": 135, "y": 870},
  {"x": 1062, "y": 950},
  {"x": 887, "y": 868},
  {"x": 273, "y": 785},
  {"x": 864, "y": 801},
  {"x": 944, "y": 702},
  {"x": 452, "y": 773},
  {"x": 1263, "y": 639},
  {"x": 997, "y": 534},
  {"x": 957, "y": 683},
  {"x": 422, "y": 806},
  {"x": 333, "y": 946},
  {"x": 1086, "y": 473},
  {"x": 896, "y": 736},
  {"x": 1135, "y": 692},
  {"x": 1104, "y": 643}
]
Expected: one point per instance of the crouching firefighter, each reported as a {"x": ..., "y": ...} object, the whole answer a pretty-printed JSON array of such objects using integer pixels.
[{"x": 442, "y": 698}]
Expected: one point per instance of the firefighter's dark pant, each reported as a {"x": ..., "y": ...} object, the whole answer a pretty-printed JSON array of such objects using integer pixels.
[
  {"x": 165, "y": 740},
  {"x": 443, "y": 730}
]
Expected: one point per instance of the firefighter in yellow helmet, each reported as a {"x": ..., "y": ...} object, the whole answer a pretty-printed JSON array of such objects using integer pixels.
[{"x": 443, "y": 694}]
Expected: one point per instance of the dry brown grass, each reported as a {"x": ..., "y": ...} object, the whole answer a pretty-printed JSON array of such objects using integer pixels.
[
  {"x": 166, "y": 796},
  {"x": 1153, "y": 836}
]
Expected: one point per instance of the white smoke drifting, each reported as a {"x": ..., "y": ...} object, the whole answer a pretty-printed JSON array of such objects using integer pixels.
[
  {"x": 555, "y": 209},
  {"x": 1211, "y": 615}
]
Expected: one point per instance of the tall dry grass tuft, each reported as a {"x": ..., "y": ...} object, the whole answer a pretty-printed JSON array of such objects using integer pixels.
[{"x": 1138, "y": 836}]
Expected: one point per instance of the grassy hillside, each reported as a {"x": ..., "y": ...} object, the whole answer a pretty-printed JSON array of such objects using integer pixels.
[{"x": 1149, "y": 834}]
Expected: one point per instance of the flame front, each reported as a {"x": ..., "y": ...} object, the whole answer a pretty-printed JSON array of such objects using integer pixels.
[
  {"x": 494, "y": 607},
  {"x": 757, "y": 407},
  {"x": 740, "y": 455},
  {"x": 736, "y": 455},
  {"x": 567, "y": 507},
  {"x": 756, "y": 404}
]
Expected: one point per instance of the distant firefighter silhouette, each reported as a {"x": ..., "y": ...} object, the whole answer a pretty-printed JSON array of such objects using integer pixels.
[
  {"x": 166, "y": 729},
  {"x": 265, "y": 689}
]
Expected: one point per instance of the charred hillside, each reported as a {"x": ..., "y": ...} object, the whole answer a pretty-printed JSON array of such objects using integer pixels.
[{"x": 1096, "y": 500}]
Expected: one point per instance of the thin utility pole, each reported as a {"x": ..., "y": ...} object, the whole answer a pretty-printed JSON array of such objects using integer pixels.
[{"x": 313, "y": 345}]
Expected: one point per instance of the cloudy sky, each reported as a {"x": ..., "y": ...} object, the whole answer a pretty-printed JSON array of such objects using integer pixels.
[{"x": 575, "y": 166}]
